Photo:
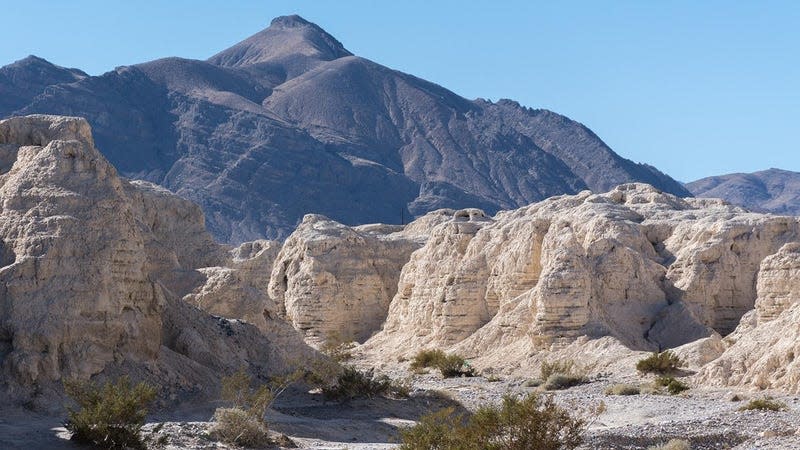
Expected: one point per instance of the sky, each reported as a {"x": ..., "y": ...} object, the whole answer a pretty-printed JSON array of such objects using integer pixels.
[{"x": 693, "y": 88}]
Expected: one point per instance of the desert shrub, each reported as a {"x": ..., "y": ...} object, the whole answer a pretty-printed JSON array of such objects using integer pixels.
[
  {"x": 243, "y": 424},
  {"x": 427, "y": 358},
  {"x": 237, "y": 390},
  {"x": 561, "y": 375},
  {"x": 673, "y": 444},
  {"x": 532, "y": 422},
  {"x": 239, "y": 427},
  {"x": 352, "y": 383},
  {"x": 673, "y": 386},
  {"x": 449, "y": 365},
  {"x": 533, "y": 382},
  {"x": 111, "y": 415},
  {"x": 559, "y": 381},
  {"x": 764, "y": 404},
  {"x": 548, "y": 369},
  {"x": 660, "y": 363},
  {"x": 623, "y": 389}
]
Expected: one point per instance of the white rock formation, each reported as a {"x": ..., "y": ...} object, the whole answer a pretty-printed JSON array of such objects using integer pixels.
[
  {"x": 92, "y": 268},
  {"x": 75, "y": 289},
  {"x": 647, "y": 268},
  {"x": 336, "y": 282},
  {"x": 239, "y": 290},
  {"x": 763, "y": 350}
]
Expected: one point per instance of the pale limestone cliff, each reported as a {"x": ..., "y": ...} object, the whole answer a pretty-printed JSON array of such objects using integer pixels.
[
  {"x": 92, "y": 268},
  {"x": 762, "y": 351},
  {"x": 649, "y": 269},
  {"x": 239, "y": 289},
  {"x": 778, "y": 283},
  {"x": 335, "y": 282},
  {"x": 75, "y": 289}
]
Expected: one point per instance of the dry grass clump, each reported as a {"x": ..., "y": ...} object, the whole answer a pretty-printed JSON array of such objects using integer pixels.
[
  {"x": 239, "y": 427},
  {"x": 532, "y": 422},
  {"x": 243, "y": 423},
  {"x": 764, "y": 404},
  {"x": 110, "y": 416},
  {"x": 673, "y": 444},
  {"x": 449, "y": 365},
  {"x": 660, "y": 363},
  {"x": 623, "y": 389}
]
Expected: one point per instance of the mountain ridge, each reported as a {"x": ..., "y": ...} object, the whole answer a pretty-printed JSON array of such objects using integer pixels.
[
  {"x": 289, "y": 122},
  {"x": 773, "y": 190}
]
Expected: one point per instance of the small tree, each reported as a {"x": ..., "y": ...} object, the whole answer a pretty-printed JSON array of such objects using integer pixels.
[{"x": 110, "y": 416}]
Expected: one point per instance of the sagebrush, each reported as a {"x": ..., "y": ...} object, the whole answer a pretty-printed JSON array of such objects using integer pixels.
[
  {"x": 453, "y": 365},
  {"x": 764, "y": 404},
  {"x": 660, "y": 363},
  {"x": 673, "y": 385},
  {"x": 561, "y": 375},
  {"x": 533, "y": 422},
  {"x": 353, "y": 383},
  {"x": 239, "y": 427},
  {"x": 109, "y": 416}
]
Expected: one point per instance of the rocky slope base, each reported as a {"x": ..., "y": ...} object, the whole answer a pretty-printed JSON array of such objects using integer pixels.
[{"x": 289, "y": 122}]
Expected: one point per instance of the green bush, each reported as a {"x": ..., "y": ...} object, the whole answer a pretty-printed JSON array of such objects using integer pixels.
[
  {"x": 528, "y": 423},
  {"x": 561, "y": 375},
  {"x": 623, "y": 389},
  {"x": 449, "y": 365},
  {"x": 673, "y": 386},
  {"x": 110, "y": 416},
  {"x": 239, "y": 427},
  {"x": 352, "y": 383},
  {"x": 764, "y": 404},
  {"x": 660, "y": 363}
]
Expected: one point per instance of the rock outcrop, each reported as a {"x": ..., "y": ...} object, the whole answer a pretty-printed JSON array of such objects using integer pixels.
[
  {"x": 650, "y": 269},
  {"x": 93, "y": 268},
  {"x": 334, "y": 282},
  {"x": 762, "y": 351}
]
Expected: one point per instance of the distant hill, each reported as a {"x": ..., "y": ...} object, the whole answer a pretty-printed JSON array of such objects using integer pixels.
[
  {"x": 774, "y": 190},
  {"x": 289, "y": 122}
]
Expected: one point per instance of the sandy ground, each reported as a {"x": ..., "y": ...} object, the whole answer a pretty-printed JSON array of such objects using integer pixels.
[{"x": 706, "y": 417}]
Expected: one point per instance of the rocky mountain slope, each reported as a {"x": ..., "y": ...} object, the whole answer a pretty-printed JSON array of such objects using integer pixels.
[
  {"x": 93, "y": 270},
  {"x": 774, "y": 190},
  {"x": 289, "y": 122}
]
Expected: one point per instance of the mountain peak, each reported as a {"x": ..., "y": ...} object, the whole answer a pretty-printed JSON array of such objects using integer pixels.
[
  {"x": 288, "y": 40},
  {"x": 289, "y": 21}
]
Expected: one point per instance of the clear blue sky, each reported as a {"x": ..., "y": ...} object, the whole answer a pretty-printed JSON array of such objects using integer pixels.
[{"x": 693, "y": 88}]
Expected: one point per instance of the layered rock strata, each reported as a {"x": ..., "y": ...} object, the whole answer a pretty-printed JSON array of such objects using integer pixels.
[{"x": 92, "y": 269}]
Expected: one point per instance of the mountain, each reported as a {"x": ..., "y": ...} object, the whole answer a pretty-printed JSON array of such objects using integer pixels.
[
  {"x": 774, "y": 190},
  {"x": 289, "y": 122}
]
